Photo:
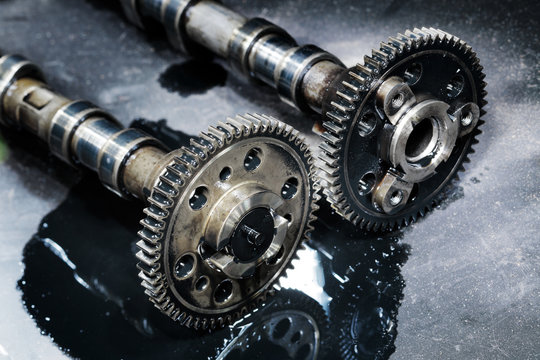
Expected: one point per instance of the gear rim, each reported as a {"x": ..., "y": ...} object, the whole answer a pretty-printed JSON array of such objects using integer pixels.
[
  {"x": 171, "y": 187},
  {"x": 353, "y": 89}
]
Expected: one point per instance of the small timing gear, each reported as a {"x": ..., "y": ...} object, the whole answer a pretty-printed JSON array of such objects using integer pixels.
[
  {"x": 398, "y": 127},
  {"x": 225, "y": 214}
]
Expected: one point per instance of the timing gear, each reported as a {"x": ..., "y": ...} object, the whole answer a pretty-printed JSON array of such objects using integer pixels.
[
  {"x": 397, "y": 127},
  {"x": 225, "y": 214},
  {"x": 400, "y": 126},
  {"x": 246, "y": 184}
]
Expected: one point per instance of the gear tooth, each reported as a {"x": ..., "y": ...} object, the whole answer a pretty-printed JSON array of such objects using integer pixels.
[
  {"x": 329, "y": 161},
  {"x": 332, "y": 139},
  {"x": 351, "y": 85},
  {"x": 329, "y": 149},
  {"x": 373, "y": 64},
  {"x": 363, "y": 73},
  {"x": 148, "y": 235},
  {"x": 348, "y": 96},
  {"x": 149, "y": 249},
  {"x": 337, "y": 117},
  {"x": 334, "y": 128}
]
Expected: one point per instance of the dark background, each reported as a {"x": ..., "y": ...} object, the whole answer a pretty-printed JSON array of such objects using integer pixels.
[{"x": 472, "y": 276}]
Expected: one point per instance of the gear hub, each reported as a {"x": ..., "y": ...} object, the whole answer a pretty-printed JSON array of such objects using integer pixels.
[{"x": 225, "y": 213}]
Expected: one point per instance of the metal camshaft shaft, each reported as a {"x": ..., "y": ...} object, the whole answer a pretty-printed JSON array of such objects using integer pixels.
[
  {"x": 398, "y": 126},
  {"x": 225, "y": 214}
]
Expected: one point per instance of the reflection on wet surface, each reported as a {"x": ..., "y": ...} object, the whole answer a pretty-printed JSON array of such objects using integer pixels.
[
  {"x": 80, "y": 285},
  {"x": 193, "y": 77}
]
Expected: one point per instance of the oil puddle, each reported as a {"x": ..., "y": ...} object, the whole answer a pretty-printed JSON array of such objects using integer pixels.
[
  {"x": 81, "y": 288},
  {"x": 192, "y": 77}
]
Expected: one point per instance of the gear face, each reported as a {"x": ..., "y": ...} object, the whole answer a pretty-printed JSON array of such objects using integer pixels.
[
  {"x": 225, "y": 219},
  {"x": 400, "y": 126}
]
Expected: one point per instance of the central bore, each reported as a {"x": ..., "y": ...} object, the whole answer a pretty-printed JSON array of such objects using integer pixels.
[
  {"x": 253, "y": 235},
  {"x": 422, "y": 139}
]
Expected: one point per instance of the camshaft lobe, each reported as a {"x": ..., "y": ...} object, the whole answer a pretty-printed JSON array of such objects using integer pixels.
[
  {"x": 77, "y": 131},
  {"x": 255, "y": 47}
]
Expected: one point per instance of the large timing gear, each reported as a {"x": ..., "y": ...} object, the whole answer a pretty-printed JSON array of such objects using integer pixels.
[
  {"x": 400, "y": 126},
  {"x": 253, "y": 172},
  {"x": 225, "y": 214}
]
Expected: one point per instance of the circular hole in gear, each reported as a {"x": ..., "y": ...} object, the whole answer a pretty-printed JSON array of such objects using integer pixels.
[
  {"x": 288, "y": 217},
  {"x": 396, "y": 198},
  {"x": 420, "y": 138},
  {"x": 366, "y": 183},
  {"x": 413, "y": 73},
  {"x": 225, "y": 174},
  {"x": 289, "y": 189},
  {"x": 223, "y": 291},
  {"x": 296, "y": 337},
  {"x": 253, "y": 159},
  {"x": 199, "y": 198},
  {"x": 303, "y": 352},
  {"x": 455, "y": 86},
  {"x": 367, "y": 123},
  {"x": 184, "y": 266},
  {"x": 398, "y": 100},
  {"x": 281, "y": 328},
  {"x": 467, "y": 119},
  {"x": 201, "y": 283}
]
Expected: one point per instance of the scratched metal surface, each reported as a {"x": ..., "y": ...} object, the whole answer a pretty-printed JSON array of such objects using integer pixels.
[{"x": 472, "y": 280}]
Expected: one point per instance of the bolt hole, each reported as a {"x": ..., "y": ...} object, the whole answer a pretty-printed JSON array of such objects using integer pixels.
[
  {"x": 467, "y": 119},
  {"x": 413, "y": 73},
  {"x": 201, "y": 283},
  {"x": 288, "y": 217},
  {"x": 199, "y": 198},
  {"x": 420, "y": 138},
  {"x": 398, "y": 100},
  {"x": 223, "y": 291},
  {"x": 225, "y": 174},
  {"x": 289, "y": 189},
  {"x": 184, "y": 266},
  {"x": 366, "y": 183},
  {"x": 455, "y": 86},
  {"x": 367, "y": 124},
  {"x": 281, "y": 328},
  {"x": 252, "y": 159},
  {"x": 396, "y": 197}
]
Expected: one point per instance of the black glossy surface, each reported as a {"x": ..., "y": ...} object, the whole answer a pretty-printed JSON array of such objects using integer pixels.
[{"x": 463, "y": 283}]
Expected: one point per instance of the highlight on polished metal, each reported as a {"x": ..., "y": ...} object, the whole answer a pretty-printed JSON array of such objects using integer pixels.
[
  {"x": 225, "y": 214},
  {"x": 397, "y": 126}
]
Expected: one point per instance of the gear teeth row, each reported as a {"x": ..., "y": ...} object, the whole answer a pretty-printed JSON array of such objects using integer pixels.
[
  {"x": 173, "y": 178},
  {"x": 354, "y": 87}
]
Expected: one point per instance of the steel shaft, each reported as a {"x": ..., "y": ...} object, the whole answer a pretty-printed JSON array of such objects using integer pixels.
[
  {"x": 255, "y": 47},
  {"x": 77, "y": 132}
]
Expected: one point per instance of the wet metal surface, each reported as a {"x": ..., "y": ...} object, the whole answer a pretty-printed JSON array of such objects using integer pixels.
[{"x": 463, "y": 283}]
